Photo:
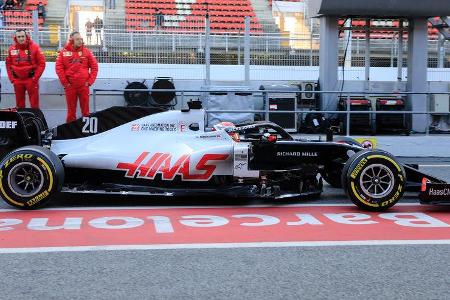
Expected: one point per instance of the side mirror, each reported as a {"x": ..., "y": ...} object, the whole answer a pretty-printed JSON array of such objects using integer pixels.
[{"x": 194, "y": 127}]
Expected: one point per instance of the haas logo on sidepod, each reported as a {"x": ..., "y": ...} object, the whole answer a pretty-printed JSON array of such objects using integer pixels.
[{"x": 147, "y": 167}]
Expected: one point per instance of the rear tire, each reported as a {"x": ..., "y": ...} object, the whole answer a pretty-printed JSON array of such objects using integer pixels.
[
  {"x": 30, "y": 176},
  {"x": 374, "y": 180}
]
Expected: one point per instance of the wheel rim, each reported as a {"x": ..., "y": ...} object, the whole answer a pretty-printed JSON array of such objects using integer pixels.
[
  {"x": 25, "y": 179},
  {"x": 377, "y": 181}
]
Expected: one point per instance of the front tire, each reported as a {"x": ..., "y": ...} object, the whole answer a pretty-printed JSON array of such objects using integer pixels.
[
  {"x": 30, "y": 176},
  {"x": 374, "y": 180}
]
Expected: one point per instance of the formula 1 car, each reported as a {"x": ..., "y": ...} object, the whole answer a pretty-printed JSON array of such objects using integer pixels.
[{"x": 149, "y": 151}]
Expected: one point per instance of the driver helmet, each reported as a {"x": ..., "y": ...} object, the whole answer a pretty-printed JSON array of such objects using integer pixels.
[{"x": 227, "y": 125}]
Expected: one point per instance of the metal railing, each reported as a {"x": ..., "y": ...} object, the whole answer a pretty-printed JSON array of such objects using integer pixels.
[
  {"x": 262, "y": 97},
  {"x": 187, "y": 47}
]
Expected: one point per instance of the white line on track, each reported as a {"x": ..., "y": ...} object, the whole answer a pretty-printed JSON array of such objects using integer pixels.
[
  {"x": 193, "y": 206},
  {"x": 223, "y": 246}
]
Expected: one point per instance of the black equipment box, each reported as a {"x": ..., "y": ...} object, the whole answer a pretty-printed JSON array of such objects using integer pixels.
[
  {"x": 391, "y": 123},
  {"x": 359, "y": 123},
  {"x": 286, "y": 120},
  {"x": 281, "y": 101}
]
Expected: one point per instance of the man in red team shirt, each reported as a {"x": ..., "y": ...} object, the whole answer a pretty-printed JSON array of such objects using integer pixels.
[
  {"x": 77, "y": 70},
  {"x": 25, "y": 64}
]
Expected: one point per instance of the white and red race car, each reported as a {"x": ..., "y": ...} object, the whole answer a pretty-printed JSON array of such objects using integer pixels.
[{"x": 149, "y": 151}]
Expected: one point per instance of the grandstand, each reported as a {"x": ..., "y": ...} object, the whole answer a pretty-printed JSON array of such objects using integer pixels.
[
  {"x": 181, "y": 15},
  {"x": 22, "y": 18},
  {"x": 283, "y": 33},
  {"x": 383, "y": 28},
  {"x": 226, "y": 16}
]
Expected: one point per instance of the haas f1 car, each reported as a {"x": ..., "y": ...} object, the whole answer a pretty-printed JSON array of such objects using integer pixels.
[{"x": 149, "y": 151}]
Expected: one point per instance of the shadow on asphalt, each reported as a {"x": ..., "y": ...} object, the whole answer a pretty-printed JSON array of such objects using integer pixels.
[
  {"x": 329, "y": 196},
  {"x": 82, "y": 200}
]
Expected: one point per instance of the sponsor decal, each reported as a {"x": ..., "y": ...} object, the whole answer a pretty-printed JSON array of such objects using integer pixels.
[
  {"x": 8, "y": 124},
  {"x": 437, "y": 191},
  {"x": 135, "y": 127},
  {"x": 18, "y": 156},
  {"x": 147, "y": 166},
  {"x": 38, "y": 198},
  {"x": 433, "y": 191},
  {"x": 209, "y": 136},
  {"x": 157, "y": 226},
  {"x": 80, "y": 53},
  {"x": 14, "y": 52},
  {"x": 298, "y": 153},
  {"x": 240, "y": 166},
  {"x": 240, "y": 128},
  {"x": 164, "y": 127},
  {"x": 182, "y": 126},
  {"x": 358, "y": 168},
  {"x": 393, "y": 198},
  {"x": 67, "y": 53}
]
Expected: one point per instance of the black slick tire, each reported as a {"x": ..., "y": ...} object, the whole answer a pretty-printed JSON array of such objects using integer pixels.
[
  {"x": 30, "y": 176},
  {"x": 374, "y": 180}
]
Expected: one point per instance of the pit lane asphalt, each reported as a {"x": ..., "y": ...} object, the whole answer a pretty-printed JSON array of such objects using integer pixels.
[{"x": 350, "y": 272}]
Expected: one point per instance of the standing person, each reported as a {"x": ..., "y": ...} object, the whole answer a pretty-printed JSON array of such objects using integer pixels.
[
  {"x": 9, "y": 4},
  {"x": 77, "y": 69},
  {"x": 1, "y": 24},
  {"x": 89, "y": 25},
  {"x": 98, "y": 25},
  {"x": 41, "y": 11},
  {"x": 25, "y": 64},
  {"x": 112, "y": 4},
  {"x": 20, "y": 4},
  {"x": 159, "y": 18}
]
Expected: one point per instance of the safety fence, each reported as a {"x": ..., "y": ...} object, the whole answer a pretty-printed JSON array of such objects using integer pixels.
[
  {"x": 186, "y": 47},
  {"x": 346, "y": 112}
]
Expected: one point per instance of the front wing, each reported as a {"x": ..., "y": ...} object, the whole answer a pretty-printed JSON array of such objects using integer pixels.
[{"x": 435, "y": 193}]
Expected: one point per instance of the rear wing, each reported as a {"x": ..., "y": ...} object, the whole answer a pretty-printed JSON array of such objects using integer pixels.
[{"x": 20, "y": 127}]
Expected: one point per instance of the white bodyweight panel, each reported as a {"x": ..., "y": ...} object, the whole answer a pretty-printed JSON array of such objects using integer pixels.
[{"x": 167, "y": 133}]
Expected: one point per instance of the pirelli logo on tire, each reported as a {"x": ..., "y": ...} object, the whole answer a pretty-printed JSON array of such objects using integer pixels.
[
  {"x": 374, "y": 180},
  {"x": 29, "y": 178},
  {"x": 38, "y": 198},
  {"x": 18, "y": 156},
  {"x": 358, "y": 168},
  {"x": 394, "y": 198}
]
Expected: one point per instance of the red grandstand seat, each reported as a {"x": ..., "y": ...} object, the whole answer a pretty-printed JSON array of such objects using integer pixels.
[{"x": 225, "y": 14}]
